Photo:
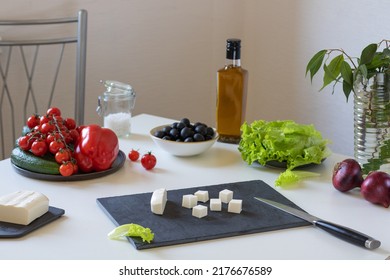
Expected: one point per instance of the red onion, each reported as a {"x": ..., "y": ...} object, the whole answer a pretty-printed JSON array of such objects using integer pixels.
[
  {"x": 376, "y": 188},
  {"x": 347, "y": 175}
]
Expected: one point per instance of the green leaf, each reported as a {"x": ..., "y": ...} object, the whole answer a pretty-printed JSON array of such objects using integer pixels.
[
  {"x": 368, "y": 54},
  {"x": 346, "y": 73},
  {"x": 386, "y": 52},
  {"x": 289, "y": 177},
  {"x": 132, "y": 230},
  {"x": 363, "y": 70},
  {"x": 347, "y": 88},
  {"x": 315, "y": 63},
  {"x": 332, "y": 71},
  {"x": 377, "y": 61}
]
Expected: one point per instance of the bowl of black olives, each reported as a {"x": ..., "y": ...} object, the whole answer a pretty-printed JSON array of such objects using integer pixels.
[{"x": 183, "y": 138}]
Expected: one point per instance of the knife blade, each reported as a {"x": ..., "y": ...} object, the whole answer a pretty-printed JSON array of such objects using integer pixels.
[{"x": 342, "y": 232}]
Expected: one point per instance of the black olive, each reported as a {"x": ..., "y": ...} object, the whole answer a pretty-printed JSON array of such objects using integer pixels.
[
  {"x": 201, "y": 129},
  {"x": 159, "y": 134},
  {"x": 186, "y": 132},
  {"x": 198, "y": 137},
  {"x": 186, "y": 121}
]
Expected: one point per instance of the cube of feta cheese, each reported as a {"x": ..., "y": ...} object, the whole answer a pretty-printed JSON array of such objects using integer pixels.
[
  {"x": 203, "y": 196},
  {"x": 158, "y": 201},
  {"x": 23, "y": 207},
  {"x": 226, "y": 195},
  {"x": 189, "y": 200},
  {"x": 199, "y": 211},
  {"x": 235, "y": 206},
  {"x": 215, "y": 204}
]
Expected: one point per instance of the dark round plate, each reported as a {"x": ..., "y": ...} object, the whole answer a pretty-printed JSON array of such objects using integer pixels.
[
  {"x": 118, "y": 163},
  {"x": 283, "y": 164}
]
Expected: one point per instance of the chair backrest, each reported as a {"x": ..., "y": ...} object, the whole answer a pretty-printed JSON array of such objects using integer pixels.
[{"x": 20, "y": 58}]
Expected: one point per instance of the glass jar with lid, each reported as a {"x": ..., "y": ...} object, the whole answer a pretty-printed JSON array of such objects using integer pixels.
[{"x": 116, "y": 106}]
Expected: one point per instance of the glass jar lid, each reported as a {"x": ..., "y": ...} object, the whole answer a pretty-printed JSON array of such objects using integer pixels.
[{"x": 118, "y": 87}]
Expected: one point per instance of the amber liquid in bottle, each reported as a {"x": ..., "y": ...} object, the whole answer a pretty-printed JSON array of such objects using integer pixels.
[{"x": 231, "y": 95}]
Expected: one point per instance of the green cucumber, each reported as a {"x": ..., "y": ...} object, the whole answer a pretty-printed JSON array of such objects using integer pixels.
[{"x": 28, "y": 161}]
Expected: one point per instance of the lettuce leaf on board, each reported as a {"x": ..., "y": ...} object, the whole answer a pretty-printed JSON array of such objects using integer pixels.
[
  {"x": 282, "y": 141},
  {"x": 132, "y": 230}
]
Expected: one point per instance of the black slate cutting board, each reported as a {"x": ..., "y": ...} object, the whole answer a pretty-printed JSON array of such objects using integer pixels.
[
  {"x": 10, "y": 230},
  {"x": 177, "y": 225}
]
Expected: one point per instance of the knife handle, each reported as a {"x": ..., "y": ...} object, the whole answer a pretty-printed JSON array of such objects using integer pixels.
[{"x": 348, "y": 234}]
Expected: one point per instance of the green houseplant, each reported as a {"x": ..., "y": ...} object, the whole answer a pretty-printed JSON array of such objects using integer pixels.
[
  {"x": 368, "y": 78},
  {"x": 345, "y": 69}
]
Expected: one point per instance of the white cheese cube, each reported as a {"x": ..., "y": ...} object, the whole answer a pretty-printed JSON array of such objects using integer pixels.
[
  {"x": 199, "y": 211},
  {"x": 203, "y": 196},
  {"x": 215, "y": 204},
  {"x": 189, "y": 200},
  {"x": 226, "y": 195},
  {"x": 158, "y": 201},
  {"x": 235, "y": 206},
  {"x": 23, "y": 207}
]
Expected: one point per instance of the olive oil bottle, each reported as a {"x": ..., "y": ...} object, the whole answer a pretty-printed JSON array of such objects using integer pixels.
[{"x": 231, "y": 94}]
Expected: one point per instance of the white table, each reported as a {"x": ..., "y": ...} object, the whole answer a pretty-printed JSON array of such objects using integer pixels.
[{"x": 82, "y": 232}]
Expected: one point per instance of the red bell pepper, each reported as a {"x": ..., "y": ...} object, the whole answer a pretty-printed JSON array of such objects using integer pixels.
[{"x": 96, "y": 149}]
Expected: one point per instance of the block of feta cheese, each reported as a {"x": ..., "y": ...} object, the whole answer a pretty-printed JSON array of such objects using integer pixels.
[
  {"x": 158, "y": 201},
  {"x": 199, "y": 211},
  {"x": 203, "y": 196},
  {"x": 226, "y": 195},
  {"x": 215, "y": 204},
  {"x": 235, "y": 206},
  {"x": 189, "y": 200},
  {"x": 23, "y": 207}
]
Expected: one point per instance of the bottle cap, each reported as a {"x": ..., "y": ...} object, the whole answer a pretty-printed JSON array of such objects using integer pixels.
[
  {"x": 233, "y": 48},
  {"x": 111, "y": 85}
]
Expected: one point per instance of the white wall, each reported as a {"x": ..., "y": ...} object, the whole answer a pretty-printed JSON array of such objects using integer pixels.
[{"x": 169, "y": 51}]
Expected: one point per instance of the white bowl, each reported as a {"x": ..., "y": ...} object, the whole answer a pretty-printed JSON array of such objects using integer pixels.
[{"x": 183, "y": 149}]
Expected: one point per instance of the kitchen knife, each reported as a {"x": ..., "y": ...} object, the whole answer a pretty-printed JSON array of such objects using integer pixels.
[{"x": 339, "y": 231}]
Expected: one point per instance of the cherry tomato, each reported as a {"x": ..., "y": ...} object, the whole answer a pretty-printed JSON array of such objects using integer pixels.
[
  {"x": 47, "y": 128},
  {"x": 74, "y": 134},
  {"x": 70, "y": 123},
  {"x": 66, "y": 169},
  {"x": 53, "y": 111},
  {"x": 55, "y": 146},
  {"x": 33, "y": 121},
  {"x": 39, "y": 147},
  {"x": 63, "y": 155},
  {"x": 44, "y": 119},
  {"x": 148, "y": 161},
  {"x": 58, "y": 120},
  {"x": 24, "y": 142},
  {"x": 75, "y": 167},
  {"x": 134, "y": 155},
  {"x": 52, "y": 136}
]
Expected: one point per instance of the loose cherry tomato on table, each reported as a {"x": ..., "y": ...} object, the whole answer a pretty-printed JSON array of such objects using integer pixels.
[
  {"x": 148, "y": 161},
  {"x": 134, "y": 155}
]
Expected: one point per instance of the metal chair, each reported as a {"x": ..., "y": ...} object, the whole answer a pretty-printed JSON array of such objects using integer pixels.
[{"x": 26, "y": 54}]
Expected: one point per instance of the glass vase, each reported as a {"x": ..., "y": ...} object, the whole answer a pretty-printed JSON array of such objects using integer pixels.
[{"x": 372, "y": 122}]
